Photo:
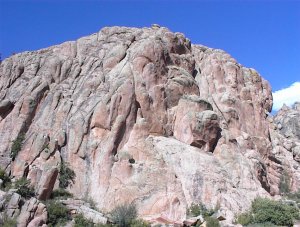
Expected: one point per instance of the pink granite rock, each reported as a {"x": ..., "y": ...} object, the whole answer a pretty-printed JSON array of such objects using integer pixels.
[
  {"x": 196, "y": 124},
  {"x": 29, "y": 212},
  {"x": 143, "y": 116}
]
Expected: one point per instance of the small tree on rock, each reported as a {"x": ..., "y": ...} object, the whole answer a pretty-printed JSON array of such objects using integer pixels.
[{"x": 66, "y": 175}]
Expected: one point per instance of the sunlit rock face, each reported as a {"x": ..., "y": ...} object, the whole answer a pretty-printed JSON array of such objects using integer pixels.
[{"x": 143, "y": 116}]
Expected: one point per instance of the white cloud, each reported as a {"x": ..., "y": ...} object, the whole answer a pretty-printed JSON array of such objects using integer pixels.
[{"x": 286, "y": 96}]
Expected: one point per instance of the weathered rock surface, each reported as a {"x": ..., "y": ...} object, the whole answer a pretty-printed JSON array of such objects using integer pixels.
[
  {"x": 196, "y": 124},
  {"x": 81, "y": 207},
  {"x": 287, "y": 121},
  {"x": 28, "y": 213},
  {"x": 285, "y": 139},
  {"x": 193, "y": 122}
]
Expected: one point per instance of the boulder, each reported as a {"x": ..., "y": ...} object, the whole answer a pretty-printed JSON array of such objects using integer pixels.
[
  {"x": 81, "y": 207},
  {"x": 196, "y": 124},
  {"x": 33, "y": 213}
]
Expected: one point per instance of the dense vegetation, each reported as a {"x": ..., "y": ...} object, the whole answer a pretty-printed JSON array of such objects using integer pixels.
[
  {"x": 266, "y": 211},
  {"x": 294, "y": 196},
  {"x": 58, "y": 213}
]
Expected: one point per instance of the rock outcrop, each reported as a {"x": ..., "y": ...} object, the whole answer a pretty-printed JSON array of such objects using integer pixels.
[
  {"x": 84, "y": 208},
  {"x": 28, "y": 213},
  {"x": 285, "y": 139},
  {"x": 144, "y": 116}
]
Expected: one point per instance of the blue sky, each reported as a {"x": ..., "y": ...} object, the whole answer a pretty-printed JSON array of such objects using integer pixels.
[{"x": 264, "y": 35}]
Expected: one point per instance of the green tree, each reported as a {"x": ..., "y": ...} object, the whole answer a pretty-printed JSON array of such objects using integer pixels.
[
  {"x": 265, "y": 211},
  {"x": 276, "y": 212}
]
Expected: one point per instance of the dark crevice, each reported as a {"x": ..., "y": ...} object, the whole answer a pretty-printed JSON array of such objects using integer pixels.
[
  {"x": 198, "y": 143},
  {"x": 269, "y": 136},
  {"x": 195, "y": 72},
  {"x": 219, "y": 135},
  {"x": 6, "y": 108},
  {"x": 26, "y": 171},
  {"x": 131, "y": 160},
  {"x": 119, "y": 136},
  {"x": 137, "y": 107},
  {"x": 262, "y": 177},
  {"x": 274, "y": 159}
]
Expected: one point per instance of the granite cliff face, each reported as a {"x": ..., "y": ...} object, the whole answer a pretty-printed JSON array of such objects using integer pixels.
[{"x": 144, "y": 116}]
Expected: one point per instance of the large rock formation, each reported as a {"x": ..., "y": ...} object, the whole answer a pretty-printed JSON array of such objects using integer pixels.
[{"x": 143, "y": 116}]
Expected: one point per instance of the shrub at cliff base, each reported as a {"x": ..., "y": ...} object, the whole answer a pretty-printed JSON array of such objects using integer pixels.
[
  {"x": 81, "y": 221},
  {"x": 124, "y": 215},
  {"x": 199, "y": 209},
  {"x": 58, "y": 213},
  {"x": 212, "y": 222},
  {"x": 276, "y": 212},
  {"x": 244, "y": 218},
  {"x": 294, "y": 196},
  {"x": 265, "y": 211}
]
